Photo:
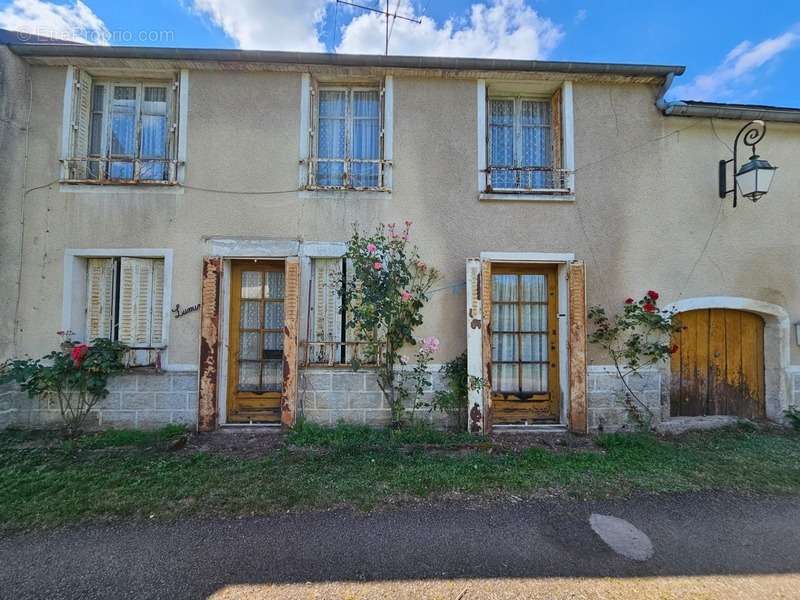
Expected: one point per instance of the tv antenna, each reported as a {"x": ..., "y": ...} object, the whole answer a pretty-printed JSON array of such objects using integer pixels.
[{"x": 394, "y": 16}]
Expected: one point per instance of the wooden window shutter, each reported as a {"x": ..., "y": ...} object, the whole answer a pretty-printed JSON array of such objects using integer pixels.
[
  {"x": 100, "y": 298},
  {"x": 141, "y": 302},
  {"x": 578, "y": 418},
  {"x": 157, "y": 305},
  {"x": 81, "y": 116},
  {"x": 486, "y": 342},
  {"x": 327, "y": 302},
  {"x": 556, "y": 138},
  {"x": 209, "y": 343},
  {"x": 291, "y": 309},
  {"x": 474, "y": 344}
]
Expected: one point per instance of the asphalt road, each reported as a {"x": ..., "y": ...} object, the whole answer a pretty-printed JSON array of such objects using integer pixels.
[{"x": 703, "y": 545}]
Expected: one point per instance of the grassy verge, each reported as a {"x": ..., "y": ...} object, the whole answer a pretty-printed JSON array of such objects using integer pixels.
[{"x": 89, "y": 479}]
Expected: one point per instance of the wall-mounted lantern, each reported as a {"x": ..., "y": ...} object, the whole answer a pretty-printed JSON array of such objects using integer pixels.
[{"x": 752, "y": 179}]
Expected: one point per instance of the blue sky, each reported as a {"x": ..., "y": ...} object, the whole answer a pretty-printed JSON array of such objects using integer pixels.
[{"x": 733, "y": 53}]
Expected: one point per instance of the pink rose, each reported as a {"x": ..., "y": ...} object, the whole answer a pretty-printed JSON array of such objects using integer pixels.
[
  {"x": 406, "y": 295},
  {"x": 371, "y": 248},
  {"x": 78, "y": 353},
  {"x": 408, "y": 223},
  {"x": 377, "y": 265},
  {"x": 430, "y": 344}
]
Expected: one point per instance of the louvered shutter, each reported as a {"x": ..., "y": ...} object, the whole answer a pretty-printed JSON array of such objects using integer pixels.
[
  {"x": 157, "y": 305},
  {"x": 100, "y": 298},
  {"x": 141, "y": 302},
  {"x": 327, "y": 308},
  {"x": 555, "y": 127},
  {"x": 81, "y": 116},
  {"x": 474, "y": 344},
  {"x": 578, "y": 417}
]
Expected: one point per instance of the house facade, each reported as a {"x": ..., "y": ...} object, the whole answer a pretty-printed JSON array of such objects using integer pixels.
[{"x": 195, "y": 205}]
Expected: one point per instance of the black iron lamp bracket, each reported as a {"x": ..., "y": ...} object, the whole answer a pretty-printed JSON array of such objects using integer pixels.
[{"x": 751, "y": 134}]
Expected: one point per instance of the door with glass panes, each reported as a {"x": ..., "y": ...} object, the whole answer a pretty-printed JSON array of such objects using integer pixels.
[
  {"x": 255, "y": 359},
  {"x": 524, "y": 333}
]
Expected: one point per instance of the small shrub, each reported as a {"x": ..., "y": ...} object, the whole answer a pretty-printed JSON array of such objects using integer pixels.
[
  {"x": 76, "y": 376},
  {"x": 793, "y": 414},
  {"x": 455, "y": 399}
]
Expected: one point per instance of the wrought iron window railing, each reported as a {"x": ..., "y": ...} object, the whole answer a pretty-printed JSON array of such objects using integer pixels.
[
  {"x": 334, "y": 354},
  {"x": 120, "y": 170},
  {"x": 544, "y": 180}
]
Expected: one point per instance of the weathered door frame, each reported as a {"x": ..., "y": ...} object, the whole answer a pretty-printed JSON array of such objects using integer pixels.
[{"x": 477, "y": 418}]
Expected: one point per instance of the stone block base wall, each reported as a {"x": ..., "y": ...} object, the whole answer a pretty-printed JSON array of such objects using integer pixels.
[
  {"x": 607, "y": 409},
  {"x": 144, "y": 400},
  {"x": 328, "y": 396}
]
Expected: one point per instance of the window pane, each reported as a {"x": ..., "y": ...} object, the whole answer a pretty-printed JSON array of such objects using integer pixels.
[
  {"x": 505, "y": 378},
  {"x": 251, "y": 284},
  {"x": 504, "y": 288},
  {"x": 273, "y": 315},
  {"x": 272, "y": 378},
  {"x": 250, "y": 313},
  {"x": 534, "y": 317},
  {"x": 249, "y": 375},
  {"x": 272, "y": 342},
  {"x": 331, "y": 137},
  {"x": 275, "y": 284},
  {"x": 504, "y": 347},
  {"x": 501, "y": 136},
  {"x": 534, "y": 347},
  {"x": 365, "y": 139},
  {"x": 535, "y": 378},
  {"x": 534, "y": 288},
  {"x": 123, "y": 131},
  {"x": 248, "y": 346},
  {"x": 504, "y": 317},
  {"x": 96, "y": 126},
  {"x": 536, "y": 149}
]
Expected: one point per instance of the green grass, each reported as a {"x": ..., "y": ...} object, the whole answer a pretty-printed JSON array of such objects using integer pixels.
[{"x": 84, "y": 480}]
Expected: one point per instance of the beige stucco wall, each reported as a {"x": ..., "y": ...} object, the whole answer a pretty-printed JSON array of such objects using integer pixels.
[{"x": 646, "y": 200}]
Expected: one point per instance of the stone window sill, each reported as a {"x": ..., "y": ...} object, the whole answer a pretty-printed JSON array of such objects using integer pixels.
[{"x": 514, "y": 197}]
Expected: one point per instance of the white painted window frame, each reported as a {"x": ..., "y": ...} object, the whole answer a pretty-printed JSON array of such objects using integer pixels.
[
  {"x": 309, "y": 115},
  {"x": 180, "y": 114},
  {"x": 567, "y": 150},
  {"x": 71, "y": 301}
]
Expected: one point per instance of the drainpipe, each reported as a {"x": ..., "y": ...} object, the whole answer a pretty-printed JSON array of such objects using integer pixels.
[{"x": 662, "y": 104}]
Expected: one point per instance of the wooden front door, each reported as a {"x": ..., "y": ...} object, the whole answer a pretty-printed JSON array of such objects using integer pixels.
[
  {"x": 524, "y": 330},
  {"x": 719, "y": 366},
  {"x": 255, "y": 356}
]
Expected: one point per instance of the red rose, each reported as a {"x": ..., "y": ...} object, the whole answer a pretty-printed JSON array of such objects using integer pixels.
[
  {"x": 674, "y": 349},
  {"x": 78, "y": 353},
  {"x": 628, "y": 300},
  {"x": 649, "y": 307},
  {"x": 653, "y": 295}
]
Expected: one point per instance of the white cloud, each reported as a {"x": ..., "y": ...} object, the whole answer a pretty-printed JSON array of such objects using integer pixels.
[
  {"x": 738, "y": 69},
  {"x": 499, "y": 29},
  {"x": 260, "y": 25},
  {"x": 74, "y": 22},
  {"x": 580, "y": 16}
]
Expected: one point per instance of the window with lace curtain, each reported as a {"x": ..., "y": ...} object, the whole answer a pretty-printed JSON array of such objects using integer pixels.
[{"x": 347, "y": 138}]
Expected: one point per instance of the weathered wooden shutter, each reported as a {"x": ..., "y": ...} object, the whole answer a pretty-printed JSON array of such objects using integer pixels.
[
  {"x": 157, "y": 305},
  {"x": 327, "y": 325},
  {"x": 556, "y": 138},
  {"x": 486, "y": 342},
  {"x": 100, "y": 298},
  {"x": 291, "y": 311},
  {"x": 81, "y": 117},
  {"x": 209, "y": 343},
  {"x": 578, "y": 418},
  {"x": 474, "y": 344},
  {"x": 141, "y": 302},
  {"x": 312, "y": 134}
]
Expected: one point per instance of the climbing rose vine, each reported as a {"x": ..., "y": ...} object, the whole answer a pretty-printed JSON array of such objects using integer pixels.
[
  {"x": 637, "y": 337},
  {"x": 383, "y": 295}
]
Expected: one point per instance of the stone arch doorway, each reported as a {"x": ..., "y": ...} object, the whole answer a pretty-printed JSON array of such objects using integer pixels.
[{"x": 766, "y": 334}]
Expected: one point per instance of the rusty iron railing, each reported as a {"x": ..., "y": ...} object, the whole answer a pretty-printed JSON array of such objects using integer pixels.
[
  {"x": 544, "y": 180},
  {"x": 119, "y": 170},
  {"x": 347, "y": 171},
  {"x": 335, "y": 354}
]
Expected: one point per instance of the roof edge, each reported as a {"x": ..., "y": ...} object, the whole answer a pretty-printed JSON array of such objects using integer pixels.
[
  {"x": 346, "y": 60},
  {"x": 739, "y": 112}
]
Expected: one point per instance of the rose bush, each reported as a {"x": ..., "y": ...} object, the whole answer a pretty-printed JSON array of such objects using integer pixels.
[{"x": 383, "y": 296}]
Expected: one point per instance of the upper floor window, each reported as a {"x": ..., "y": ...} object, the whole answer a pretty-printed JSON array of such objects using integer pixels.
[
  {"x": 123, "y": 131},
  {"x": 526, "y": 152},
  {"x": 349, "y": 141}
]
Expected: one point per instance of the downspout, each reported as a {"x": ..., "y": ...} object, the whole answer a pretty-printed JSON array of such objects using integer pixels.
[{"x": 662, "y": 104}]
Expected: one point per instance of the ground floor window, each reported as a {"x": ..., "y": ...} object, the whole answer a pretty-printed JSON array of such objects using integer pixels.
[{"x": 125, "y": 301}]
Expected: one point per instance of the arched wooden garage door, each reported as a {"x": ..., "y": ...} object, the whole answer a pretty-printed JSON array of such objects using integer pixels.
[{"x": 719, "y": 366}]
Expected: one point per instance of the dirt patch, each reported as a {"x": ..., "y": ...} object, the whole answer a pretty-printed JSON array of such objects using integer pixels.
[
  {"x": 555, "y": 441},
  {"x": 246, "y": 443}
]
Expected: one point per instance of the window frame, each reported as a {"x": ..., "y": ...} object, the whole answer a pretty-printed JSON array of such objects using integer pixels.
[
  {"x": 74, "y": 300},
  {"x": 347, "y": 160}
]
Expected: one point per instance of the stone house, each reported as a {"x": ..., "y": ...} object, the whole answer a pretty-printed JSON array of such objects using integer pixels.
[{"x": 195, "y": 203}]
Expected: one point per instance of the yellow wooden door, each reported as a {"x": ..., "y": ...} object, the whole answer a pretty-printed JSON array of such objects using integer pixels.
[
  {"x": 255, "y": 356},
  {"x": 524, "y": 344},
  {"x": 719, "y": 366}
]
